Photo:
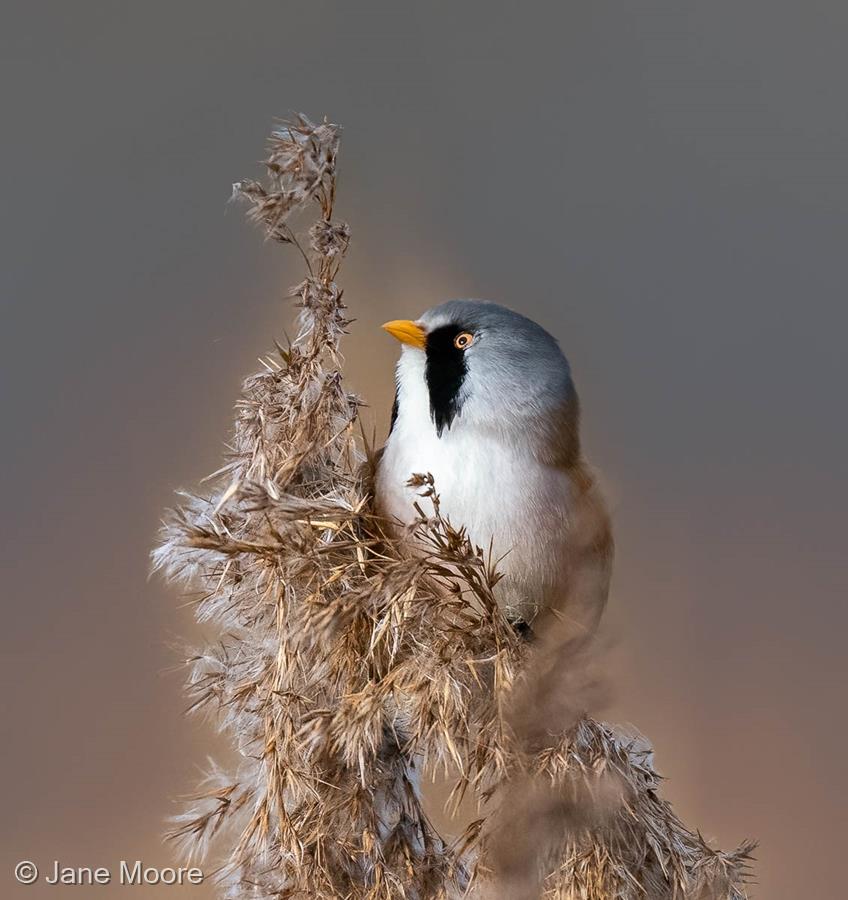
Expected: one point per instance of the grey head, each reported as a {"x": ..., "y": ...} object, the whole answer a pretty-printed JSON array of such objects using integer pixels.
[{"x": 488, "y": 367}]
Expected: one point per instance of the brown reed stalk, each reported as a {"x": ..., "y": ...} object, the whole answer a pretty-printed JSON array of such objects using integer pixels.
[{"x": 344, "y": 666}]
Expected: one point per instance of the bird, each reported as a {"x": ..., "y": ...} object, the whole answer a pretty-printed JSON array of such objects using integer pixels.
[{"x": 486, "y": 404}]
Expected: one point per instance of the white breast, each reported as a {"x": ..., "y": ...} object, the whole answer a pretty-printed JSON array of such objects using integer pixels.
[{"x": 489, "y": 481}]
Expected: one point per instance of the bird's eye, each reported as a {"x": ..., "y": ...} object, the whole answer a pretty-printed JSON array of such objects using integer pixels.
[{"x": 463, "y": 340}]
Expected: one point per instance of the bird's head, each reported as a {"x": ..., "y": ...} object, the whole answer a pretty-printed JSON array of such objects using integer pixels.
[{"x": 485, "y": 364}]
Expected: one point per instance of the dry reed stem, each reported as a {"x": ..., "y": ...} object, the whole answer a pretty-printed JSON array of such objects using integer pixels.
[{"x": 344, "y": 667}]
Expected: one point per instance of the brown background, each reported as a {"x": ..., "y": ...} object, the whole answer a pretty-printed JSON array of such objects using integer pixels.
[{"x": 662, "y": 184}]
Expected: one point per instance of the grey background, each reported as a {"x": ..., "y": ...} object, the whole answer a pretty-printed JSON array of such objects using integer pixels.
[{"x": 662, "y": 185}]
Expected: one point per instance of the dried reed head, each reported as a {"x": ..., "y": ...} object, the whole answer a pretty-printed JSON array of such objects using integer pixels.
[{"x": 344, "y": 666}]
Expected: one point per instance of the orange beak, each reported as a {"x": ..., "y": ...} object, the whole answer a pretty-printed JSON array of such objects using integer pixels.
[{"x": 407, "y": 332}]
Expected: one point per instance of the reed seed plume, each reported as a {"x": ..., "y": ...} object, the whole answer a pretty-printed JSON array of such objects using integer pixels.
[{"x": 344, "y": 666}]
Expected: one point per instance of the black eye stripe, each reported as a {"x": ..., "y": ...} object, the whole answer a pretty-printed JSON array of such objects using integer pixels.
[{"x": 445, "y": 372}]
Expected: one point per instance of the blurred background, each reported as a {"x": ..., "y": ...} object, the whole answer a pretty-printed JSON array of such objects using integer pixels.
[{"x": 662, "y": 185}]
